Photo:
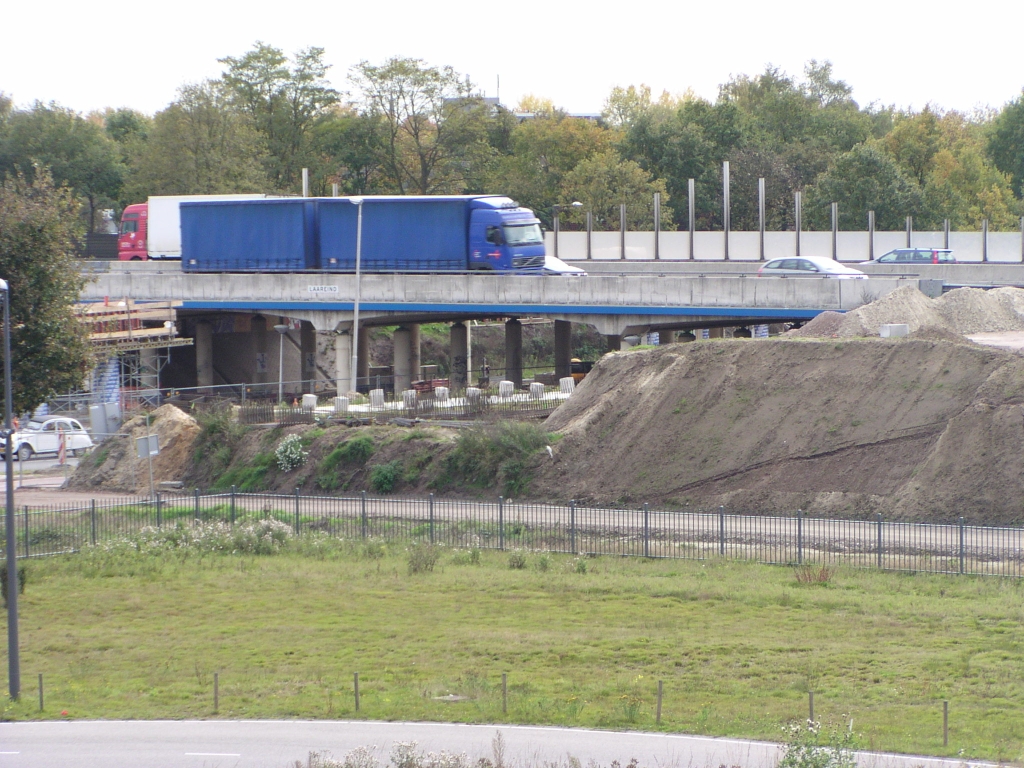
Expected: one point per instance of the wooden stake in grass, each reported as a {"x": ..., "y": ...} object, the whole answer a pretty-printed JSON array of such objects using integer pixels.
[
  {"x": 355, "y": 685},
  {"x": 504, "y": 693},
  {"x": 40, "y": 693},
  {"x": 810, "y": 702},
  {"x": 216, "y": 691},
  {"x": 657, "y": 717},
  {"x": 945, "y": 723}
]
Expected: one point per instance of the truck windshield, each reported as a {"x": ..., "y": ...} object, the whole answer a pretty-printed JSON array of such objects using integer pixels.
[
  {"x": 129, "y": 225},
  {"x": 523, "y": 234}
]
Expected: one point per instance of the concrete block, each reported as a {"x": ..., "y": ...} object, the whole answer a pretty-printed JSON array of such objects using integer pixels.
[
  {"x": 376, "y": 398},
  {"x": 440, "y": 393},
  {"x": 536, "y": 390},
  {"x": 893, "y": 330},
  {"x": 340, "y": 405},
  {"x": 567, "y": 385},
  {"x": 308, "y": 402},
  {"x": 473, "y": 395},
  {"x": 506, "y": 389},
  {"x": 409, "y": 399}
]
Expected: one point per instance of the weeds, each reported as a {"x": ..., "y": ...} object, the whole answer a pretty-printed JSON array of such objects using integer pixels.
[
  {"x": 809, "y": 745},
  {"x": 421, "y": 558},
  {"x": 517, "y": 561},
  {"x": 354, "y": 452},
  {"x": 814, "y": 574},
  {"x": 384, "y": 477},
  {"x": 502, "y": 452}
]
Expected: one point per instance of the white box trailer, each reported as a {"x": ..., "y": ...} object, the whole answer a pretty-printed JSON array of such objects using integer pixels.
[{"x": 164, "y": 228}]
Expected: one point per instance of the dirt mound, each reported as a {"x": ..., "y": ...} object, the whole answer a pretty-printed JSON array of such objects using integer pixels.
[
  {"x": 115, "y": 465},
  {"x": 904, "y": 305},
  {"x": 824, "y": 326},
  {"x": 917, "y": 429}
]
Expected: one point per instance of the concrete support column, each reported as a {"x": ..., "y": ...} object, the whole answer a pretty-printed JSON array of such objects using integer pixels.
[
  {"x": 204, "y": 354},
  {"x": 563, "y": 349},
  {"x": 265, "y": 363},
  {"x": 414, "y": 341},
  {"x": 363, "y": 362},
  {"x": 614, "y": 342},
  {"x": 343, "y": 361},
  {"x": 460, "y": 357},
  {"x": 307, "y": 366},
  {"x": 716, "y": 333},
  {"x": 514, "y": 352},
  {"x": 403, "y": 359},
  {"x": 469, "y": 353}
]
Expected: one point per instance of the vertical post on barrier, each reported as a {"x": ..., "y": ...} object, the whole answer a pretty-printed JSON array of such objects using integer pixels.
[
  {"x": 92, "y": 520},
  {"x": 27, "y": 553},
  {"x": 501, "y": 523},
  {"x": 721, "y": 530},
  {"x": 572, "y": 526},
  {"x": 800, "y": 537},
  {"x": 296, "y": 511},
  {"x": 195, "y": 500},
  {"x": 362, "y": 512},
  {"x": 878, "y": 518},
  {"x": 647, "y": 531},
  {"x": 159, "y": 511},
  {"x": 234, "y": 490},
  {"x": 431, "y": 518},
  {"x": 961, "y": 545},
  {"x": 691, "y": 208}
]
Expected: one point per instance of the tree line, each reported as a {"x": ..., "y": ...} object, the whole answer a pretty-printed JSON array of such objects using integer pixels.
[{"x": 406, "y": 127}]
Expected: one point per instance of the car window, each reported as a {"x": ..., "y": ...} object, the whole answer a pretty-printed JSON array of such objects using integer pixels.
[
  {"x": 50, "y": 426},
  {"x": 807, "y": 266},
  {"x": 946, "y": 258},
  {"x": 773, "y": 264},
  {"x": 789, "y": 264},
  {"x": 888, "y": 258},
  {"x": 76, "y": 426}
]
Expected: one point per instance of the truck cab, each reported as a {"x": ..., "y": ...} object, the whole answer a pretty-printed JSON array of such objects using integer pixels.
[
  {"x": 131, "y": 238},
  {"x": 504, "y": 237}
]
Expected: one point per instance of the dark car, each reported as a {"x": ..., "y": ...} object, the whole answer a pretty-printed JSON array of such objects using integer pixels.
[{"x": 916, "y": 256}]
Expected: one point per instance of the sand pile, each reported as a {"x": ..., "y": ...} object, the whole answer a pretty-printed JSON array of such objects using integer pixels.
[{"x": 114, "y": 464}]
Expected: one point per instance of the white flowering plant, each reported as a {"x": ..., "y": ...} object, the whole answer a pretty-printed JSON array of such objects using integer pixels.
[{"x": 290, "y": 454}]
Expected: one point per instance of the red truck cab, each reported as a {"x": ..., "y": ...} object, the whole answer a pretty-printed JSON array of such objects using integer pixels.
[{"x": 131, "y": 241}]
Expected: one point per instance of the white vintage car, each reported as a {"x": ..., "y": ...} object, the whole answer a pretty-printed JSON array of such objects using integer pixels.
[{"x": 45, "y": 437}]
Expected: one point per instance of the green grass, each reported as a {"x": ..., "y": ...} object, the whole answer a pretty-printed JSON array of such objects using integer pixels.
[{"x": 123, "y": 635}]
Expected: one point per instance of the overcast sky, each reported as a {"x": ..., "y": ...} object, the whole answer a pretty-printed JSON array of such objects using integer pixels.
[{"x": 89, "y": 56}]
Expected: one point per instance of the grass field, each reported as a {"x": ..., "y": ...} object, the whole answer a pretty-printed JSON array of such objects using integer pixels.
[{"x": 123, "y": 634}]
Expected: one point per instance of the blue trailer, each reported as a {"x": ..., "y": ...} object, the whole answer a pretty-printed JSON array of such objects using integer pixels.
[{"x": 451, "y": 233}]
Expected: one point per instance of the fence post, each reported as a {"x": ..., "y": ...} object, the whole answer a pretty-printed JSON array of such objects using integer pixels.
[
  {"x": 721, "y": 530},
  {"x": 92, "y": 520},
  {"x": 216, "y": 691},
  {"x": 159, "y": 511},
  {"x": 657, "y": 717},
  {"x": 195, "y": 494},
  {"x": 945, "y": 723},
  {"x": 234, "y": 489},
  {"x": 26, "y": 534},
  {"x": 362, "y": 511},
  {"x": 810, "y": 705},
  {"x": 296, "y": 511},
  {"x": 647, "y": 531},
  {"x": 800, "y": 537},
  {"x": 431, "y": 518},
  {"x": 40, "y": 692},
  {"x": 878, "y": 517},
  {"x": 504, "y": 693},
  {"x": 501, "y": 523},
  {"x": 355, "y": 687},
  {"x": 572, "y": 526},
  {"x": 962, "y": 544}
]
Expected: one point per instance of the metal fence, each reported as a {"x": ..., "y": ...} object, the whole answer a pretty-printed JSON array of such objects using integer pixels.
[{"x": 572, "y": 529}]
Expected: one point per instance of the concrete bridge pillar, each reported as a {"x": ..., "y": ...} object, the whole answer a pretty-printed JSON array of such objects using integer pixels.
[
  {"x": 403, "y": 359},
  {"x": 716, "y": 333},
  {"x": 307, "y": 366},
  {"x": 265, "y": 361},
  {"x": 563, "y": 349},
  {"x": 343, "y": 361},
  {"x": 514, "y": 352},
  {"x": 414, "y": 350},
  {"x": 614, "y": 342},
  {"x": 149, "y": 369},
  {"x": 460, "y": 357},
  {"x": 363, "y": 361},
  {"x": 204, "y": 354}
]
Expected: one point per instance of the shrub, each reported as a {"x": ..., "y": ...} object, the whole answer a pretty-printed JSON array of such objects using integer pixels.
[
  {"x": 544, "y": 563},
  {"x": 384, "y": 477},
  {"x": 422, "y": 558},
  {"x": 290, "y": 454},
  {"x": 814, "y": 574},
  {"x": 502, "y": 453},
  {"x": 351, "y": 452},
  {"x": 517, "y": 561},
  {"x": 809, "y": 745},
  {"x": 22, "y": 578}
]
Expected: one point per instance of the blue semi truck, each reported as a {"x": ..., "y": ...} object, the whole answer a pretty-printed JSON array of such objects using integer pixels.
[{"x": 452, "y": 233}]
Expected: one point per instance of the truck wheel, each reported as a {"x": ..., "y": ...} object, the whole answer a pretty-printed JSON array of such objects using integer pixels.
[
  {"x": 25, "y": 453},
  {"x": 135, "y": 258}
]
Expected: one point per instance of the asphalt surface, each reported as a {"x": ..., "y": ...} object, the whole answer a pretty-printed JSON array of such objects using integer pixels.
[{"x": 281, "y": 744}]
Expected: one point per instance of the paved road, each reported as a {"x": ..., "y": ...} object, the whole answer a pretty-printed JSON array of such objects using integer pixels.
[{"x": 277, "y": 744}]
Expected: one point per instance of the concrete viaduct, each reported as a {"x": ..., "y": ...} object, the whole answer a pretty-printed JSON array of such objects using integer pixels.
[{"x": 231, "y": 316}]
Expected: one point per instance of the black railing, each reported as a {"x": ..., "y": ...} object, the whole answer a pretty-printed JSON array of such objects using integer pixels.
[{"x": 575, "y": 529}]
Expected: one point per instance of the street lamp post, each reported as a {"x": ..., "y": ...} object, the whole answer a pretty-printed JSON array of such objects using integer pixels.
[
  {"x": 354, "y": 373},
  {"x": 13, "y": 660},
  {"x": 282, "y": 330}
]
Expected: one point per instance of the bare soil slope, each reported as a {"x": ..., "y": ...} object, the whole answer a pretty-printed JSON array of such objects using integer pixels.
[{"x": 919, "y": 428}]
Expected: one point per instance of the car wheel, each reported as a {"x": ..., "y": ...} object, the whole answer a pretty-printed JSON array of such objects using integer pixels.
[
  {"x": 25, "y": 452},
  {"x": 78, "y": 452}
]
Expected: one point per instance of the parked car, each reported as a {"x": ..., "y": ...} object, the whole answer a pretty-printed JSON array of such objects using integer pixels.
[
  {"x": 916, "y": 256},
  {"x": 809, "y": 266},
  {"x": 44, "y": 437}
]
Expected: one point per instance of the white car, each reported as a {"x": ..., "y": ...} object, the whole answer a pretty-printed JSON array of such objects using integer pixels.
[
  {"x": 45, "y": 437},
  {"x": 809, "y": 266}
]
